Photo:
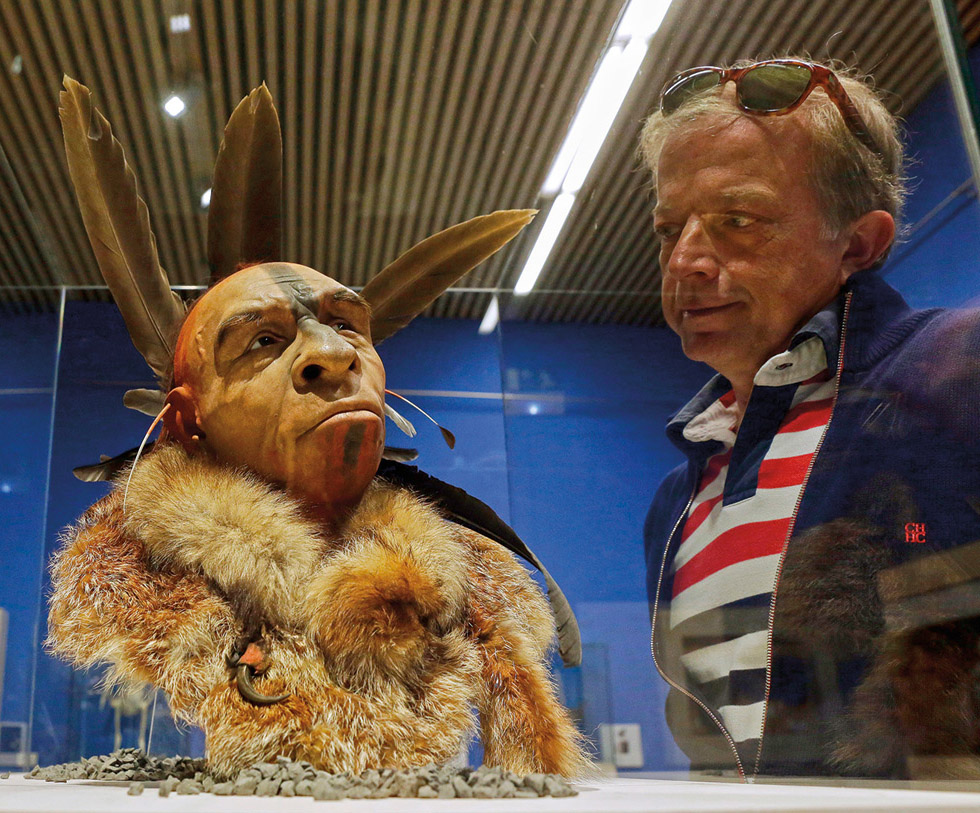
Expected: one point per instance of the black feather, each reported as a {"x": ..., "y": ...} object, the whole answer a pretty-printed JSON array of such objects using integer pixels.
[{"x": 108, "y": 467}]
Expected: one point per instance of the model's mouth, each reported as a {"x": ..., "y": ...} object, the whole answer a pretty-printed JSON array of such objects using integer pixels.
[{"x": 349, "y": 413}]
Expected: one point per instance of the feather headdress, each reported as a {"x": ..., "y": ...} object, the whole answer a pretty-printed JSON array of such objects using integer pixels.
[{"x": 244, "y": 227}]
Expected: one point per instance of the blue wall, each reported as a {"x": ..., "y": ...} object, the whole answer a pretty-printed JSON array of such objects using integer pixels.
[
  {"x": 28, "y": 347},
  {"x": 937, "y": 265}
]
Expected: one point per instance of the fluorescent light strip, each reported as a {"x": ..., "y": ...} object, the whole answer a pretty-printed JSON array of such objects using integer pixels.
[
  {"x": 623, "y": 65},
  {"x": 490, "y": 318},
  {"x": 589, "y": 128},
  {"x": 552, "y": 227}
]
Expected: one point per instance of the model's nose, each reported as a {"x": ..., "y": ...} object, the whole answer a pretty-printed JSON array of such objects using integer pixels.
[{"x": 325, "y": 356}]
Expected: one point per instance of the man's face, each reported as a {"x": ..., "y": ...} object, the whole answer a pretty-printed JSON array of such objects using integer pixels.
[
  {"x": 280, "y": 365},
  {"x": 745, "y": 254}
]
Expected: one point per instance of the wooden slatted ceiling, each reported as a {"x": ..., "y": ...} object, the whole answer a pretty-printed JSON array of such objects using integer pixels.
[{"x": 400, "y": 117}]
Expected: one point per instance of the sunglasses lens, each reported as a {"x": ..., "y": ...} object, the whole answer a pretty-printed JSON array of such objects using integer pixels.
[
  {"x": 683, "y": 89},
  {"x": 770, "y": 88}
]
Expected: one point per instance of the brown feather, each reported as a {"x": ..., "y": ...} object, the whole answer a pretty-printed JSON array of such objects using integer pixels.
[
  {"x": 406, "y": 287},
  {"x": 118, "y": 226},
  {"x": 244, "y": 218}
]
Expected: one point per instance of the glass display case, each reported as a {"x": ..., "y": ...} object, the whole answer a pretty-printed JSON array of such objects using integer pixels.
[{"x": 552, "y": 365}]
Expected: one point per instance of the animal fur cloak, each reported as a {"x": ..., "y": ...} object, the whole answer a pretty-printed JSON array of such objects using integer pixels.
[{"x": 386, "y": 635}]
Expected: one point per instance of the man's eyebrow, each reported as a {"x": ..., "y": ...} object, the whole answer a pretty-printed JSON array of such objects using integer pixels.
[
  {"x": 344, "y": 295},
  {"x": 236, "y": 320}
]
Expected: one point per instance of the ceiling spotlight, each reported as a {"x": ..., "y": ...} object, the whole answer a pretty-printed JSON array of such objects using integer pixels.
[
  {"x": 206, "y": 198},
  {"x": 17, "y": 64},
  {"x": 179, "y": 23},
  {"x": 174, "y": 105}
]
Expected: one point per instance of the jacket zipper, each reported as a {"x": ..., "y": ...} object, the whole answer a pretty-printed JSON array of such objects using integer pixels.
[
  {"x": 792, "y": 526},
  {"x": 653, "y": 648}
]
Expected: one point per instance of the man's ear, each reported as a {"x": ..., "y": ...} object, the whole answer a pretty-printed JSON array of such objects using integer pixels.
[
  {"x": 181, "y": 419},
  {"x": 870, "y": 237}
]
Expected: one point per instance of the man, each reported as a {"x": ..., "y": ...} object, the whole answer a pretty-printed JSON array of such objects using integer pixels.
[
  {"x": 291, "y": 598},
  {"x": 835, "y": 446}
]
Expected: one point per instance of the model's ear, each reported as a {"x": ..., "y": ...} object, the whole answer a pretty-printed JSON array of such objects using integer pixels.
[
  {"x": 871, "y": 235},
  {"x": 181, "y": 419}
]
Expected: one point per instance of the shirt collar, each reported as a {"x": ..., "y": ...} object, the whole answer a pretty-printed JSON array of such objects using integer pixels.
[{"x": 813, "y": 348}]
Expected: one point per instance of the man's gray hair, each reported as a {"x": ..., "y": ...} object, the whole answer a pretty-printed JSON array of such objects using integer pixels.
[{"x": 849, "y": 179}]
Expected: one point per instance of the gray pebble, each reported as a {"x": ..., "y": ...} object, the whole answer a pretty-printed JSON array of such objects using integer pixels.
[
  {"x": 287, "y": 788},
  {"x": 447, "y": 791},
  {"x": 164, "y": 790},
  {"x": 524, "y": 793},
  {"x": 222, "y": 789},
  {"x": 267, "y": 787},
  {"x": 485, "y": 792},
  {"x": 188, "y": 787},
  {"x": 535, "y": 781},
  {"x": 304, "y": 787},
  {"x": 135, "y": 789},
  {"x": 427, "y": 792},
  {"x": 506, "y": 789},
  {"x": 245, "y": 785},
  {"x": 325, "y": 792},
  {"x": 463, "y": 790}
]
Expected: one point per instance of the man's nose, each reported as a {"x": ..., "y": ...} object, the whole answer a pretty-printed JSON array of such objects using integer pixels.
[
  {"x": 693, "y": 252},
  {"x": 324, "y": 356}
]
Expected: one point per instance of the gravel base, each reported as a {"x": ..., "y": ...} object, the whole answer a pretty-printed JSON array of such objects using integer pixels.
[{"x": 187, "y": 777}]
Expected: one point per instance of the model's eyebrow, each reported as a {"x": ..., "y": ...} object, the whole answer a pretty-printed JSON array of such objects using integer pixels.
[
  {"x": 236, "y": 320},
  {"x": 344, "y": 295}
]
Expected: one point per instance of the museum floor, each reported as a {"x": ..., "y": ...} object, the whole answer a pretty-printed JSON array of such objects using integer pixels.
[{"x": 607, "y": 796}]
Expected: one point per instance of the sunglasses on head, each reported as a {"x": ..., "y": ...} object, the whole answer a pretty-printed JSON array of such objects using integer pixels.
[{"x": 769, "y": 88}]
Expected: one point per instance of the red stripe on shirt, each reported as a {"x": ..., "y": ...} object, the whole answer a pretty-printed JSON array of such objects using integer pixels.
[
  {"x": 736, "y": 545},
  {"x": 699, "y": 515},
  {"x": 808, "y": 415},
  {"x": 783, "y": 471},
  {"x": 714, "y": 468}
]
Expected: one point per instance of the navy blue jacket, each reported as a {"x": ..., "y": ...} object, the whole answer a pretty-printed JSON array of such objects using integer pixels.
[{"x": 895, "y": 482}]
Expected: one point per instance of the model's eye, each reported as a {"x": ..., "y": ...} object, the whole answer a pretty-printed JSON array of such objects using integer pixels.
[
  {"x": 665, "y": 231},
  {"x": 740, "y": 221},
  {"x": 264, "y": 341}
]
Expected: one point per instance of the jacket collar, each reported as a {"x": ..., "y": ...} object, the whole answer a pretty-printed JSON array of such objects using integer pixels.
[{"x": 878, "y": 319}]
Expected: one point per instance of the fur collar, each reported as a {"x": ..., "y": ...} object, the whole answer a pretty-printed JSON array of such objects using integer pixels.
[{"x": 252, "y": 540}]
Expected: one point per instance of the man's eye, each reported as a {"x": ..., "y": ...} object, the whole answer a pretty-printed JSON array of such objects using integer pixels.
[
  {"x": 340, "y": 325},
  {"x": 740, "y": 221},
  {"x": 264, "y": 341},
  {"x": 665, "y": 231}
]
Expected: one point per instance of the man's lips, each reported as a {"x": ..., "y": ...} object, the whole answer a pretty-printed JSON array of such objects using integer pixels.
[{"x": 700, "y": 313}]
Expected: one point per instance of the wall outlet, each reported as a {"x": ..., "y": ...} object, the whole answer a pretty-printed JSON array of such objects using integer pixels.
[{"x": 621, "y": 744}]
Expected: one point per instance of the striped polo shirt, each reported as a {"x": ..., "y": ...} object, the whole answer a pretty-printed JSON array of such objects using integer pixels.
[{"x": 725, "y": 568}]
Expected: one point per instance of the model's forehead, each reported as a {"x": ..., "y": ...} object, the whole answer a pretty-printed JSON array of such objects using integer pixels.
[{"x": 269, "y": 285}]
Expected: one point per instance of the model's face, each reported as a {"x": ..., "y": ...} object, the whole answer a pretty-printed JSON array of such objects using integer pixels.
[
  {"x": 280, "y": 365},
  {"x": 745, "y": 255}
]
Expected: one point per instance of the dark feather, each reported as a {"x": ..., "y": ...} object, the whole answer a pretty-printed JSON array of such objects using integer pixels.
[
  {"x": 399, "y": 455},
  {"x": 244, "y": 218},
  {"x": 471, "y": 513},
  {"x": 118, "y": 227},
  {"x": 149, "y": 402},
  {"x": 108, "y": 467},
  {"x": 405, "y": 288}
]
